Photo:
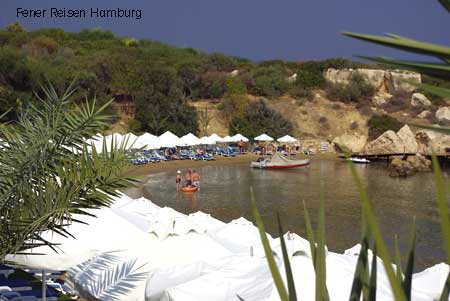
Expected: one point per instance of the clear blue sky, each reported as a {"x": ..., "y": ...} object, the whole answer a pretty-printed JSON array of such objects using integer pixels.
[{"x": 259, "y": 29}]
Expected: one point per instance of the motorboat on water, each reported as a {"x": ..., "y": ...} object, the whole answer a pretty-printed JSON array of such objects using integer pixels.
[
  {"x": 278, "y": 161},
  {"x": 359, "y": 160}
]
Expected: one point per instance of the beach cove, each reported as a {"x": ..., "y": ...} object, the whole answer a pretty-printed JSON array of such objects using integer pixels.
[{"x": 225, "y": 195}]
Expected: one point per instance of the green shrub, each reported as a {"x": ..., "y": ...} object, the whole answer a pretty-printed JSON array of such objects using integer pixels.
[
  {"x": 260, "y": 118},
  {"x": 378, "y": 124},
  {"x": 270, "y": 81},
  {"x": 309, "y": 79},
  {"x": 234, "y": 86},
  {"x": 356, "y": 90},
  {"x": 302, "y": 93},
  {"x": 233, "y": 106}
]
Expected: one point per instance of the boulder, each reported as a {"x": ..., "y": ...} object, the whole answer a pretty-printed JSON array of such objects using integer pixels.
[
  {"x": 381, "y": 98},
  {"x": 409, "y": 139},
  {"x": 425, "y": 114},
  {"x": 408, "y": 167},
  {"x": 374, "y": 76},
  {"x": 338, "y": 76},
  {"x": 388, "y": 142},
  {"x": 420, "y": 100},
  {"x": 443, "y": 115},
  {"x": 403, "y": 81},
  {"x": 351, "y": 142},
  {"x": 431, "y": 140}
]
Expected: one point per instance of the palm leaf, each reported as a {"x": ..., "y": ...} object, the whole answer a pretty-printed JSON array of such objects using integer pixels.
[
  {"x": 405, "y": 44},
  {"x": 407, "y": 282},
  {"x": 398, "y": 260},
  {"x": 442, "y": 204},
  {"x": 433, "y": 69},
  {"x": 287, "y": 264},
  {"x": 279, "y": 284},
  {"x": 321, "y": 270},
  {"x": 446, "y": 4},
  {"x": 375, "y": 231},
  {"x": 373, "y": 277}
]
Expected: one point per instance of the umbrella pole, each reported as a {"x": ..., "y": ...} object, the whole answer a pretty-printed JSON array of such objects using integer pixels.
[{"x": 44, "y": 286}]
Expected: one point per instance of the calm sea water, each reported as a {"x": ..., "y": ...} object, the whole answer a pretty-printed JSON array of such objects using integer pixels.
[{"x": 225, "y": 195}]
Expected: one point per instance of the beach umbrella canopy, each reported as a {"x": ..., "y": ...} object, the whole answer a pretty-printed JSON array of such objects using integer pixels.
[
  {"x": 207, "y": 140},
  {"x": 189, "y": 140},
  {"x": 227, "y": 139},
  {"x": 263, "y": 137},
  {"x": 239, "y": 137},
  {"x": 287, "y": 139},
  {"x": 216, "y": 138},
  {"x": 168, "y": 139},
  {"x": 148, "y": 141}
]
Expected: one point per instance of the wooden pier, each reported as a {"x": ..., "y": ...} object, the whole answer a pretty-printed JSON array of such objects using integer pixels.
[{"x": 444, "y": 159}]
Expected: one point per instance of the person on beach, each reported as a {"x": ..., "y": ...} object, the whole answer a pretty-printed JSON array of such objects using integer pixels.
[
  {"x": 196, "y": 179},
  {"x": 178, "y": 180},
  {"x": 188, "y": 178},
  {"x": 241, "y": 146}
]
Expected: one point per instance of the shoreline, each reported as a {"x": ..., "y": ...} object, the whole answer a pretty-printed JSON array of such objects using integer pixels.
[{"x": 141, "y": 172}]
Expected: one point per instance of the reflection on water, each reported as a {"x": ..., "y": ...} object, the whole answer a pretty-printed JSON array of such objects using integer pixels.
[{"x": 225, "y": 194}]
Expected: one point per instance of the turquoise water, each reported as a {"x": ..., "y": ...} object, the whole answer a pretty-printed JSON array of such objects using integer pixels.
[{"x": 225, "y": 195}]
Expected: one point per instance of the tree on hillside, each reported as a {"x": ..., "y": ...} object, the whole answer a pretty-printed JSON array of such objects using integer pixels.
[
  {"x": 159, "y": 101},
  {"x": 15, "y": 27},
  {"x": 260, "y": 118},
  {"x": 47, "y": 175},
  {"x": 270, "y": 81},
  {"x": 234, "y": 86}
]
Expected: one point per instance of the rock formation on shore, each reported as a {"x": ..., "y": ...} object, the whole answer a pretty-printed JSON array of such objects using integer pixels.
[
  {"x": 350, "y": 142},
  {"x": 408, "y": 167},
  {"x": 390, "y": 142}
]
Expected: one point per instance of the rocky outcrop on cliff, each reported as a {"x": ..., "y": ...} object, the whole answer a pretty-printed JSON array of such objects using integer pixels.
[
  {"x": 443, "y": 115},
  {"x": 408, "y": 139},
  {"x": 431, "y": 140},
  {"x": 388, "y": 142},
  {"x": 350, "y": 142},
  {"x": 420, "y": 100},
  {"x": 391, "y": 81}
]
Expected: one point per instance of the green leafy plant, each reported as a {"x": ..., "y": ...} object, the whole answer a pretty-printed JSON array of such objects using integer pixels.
[{"x": 47, "y": 173}]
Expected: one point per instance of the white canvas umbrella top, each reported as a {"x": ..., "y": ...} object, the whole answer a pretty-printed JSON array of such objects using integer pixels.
[
  {"x": 239, "y": 137},
  {"x": 189, "y": 140},
  {"x": 149, "y": 141},
  {"x": 227, "y": 139},
  {"x": 207, "y": 140},
  {"x": 215, "y": 137},
  {"x": 168, "y": 139},
  {"x": 287, "y": 139},
  {"x": 263, "y": 137}
]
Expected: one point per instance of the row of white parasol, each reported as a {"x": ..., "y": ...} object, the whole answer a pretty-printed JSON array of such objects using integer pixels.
[
  {"x": 168, "y": 140},
  {"x": 136, "y": 250}
]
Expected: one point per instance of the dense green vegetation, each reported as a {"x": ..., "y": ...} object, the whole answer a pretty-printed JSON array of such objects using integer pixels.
[
  {"x": 378, "y": 124},
  {"x": 47, "y": 174},
  {"x": 358, "y": 89},
  {"x": 258, "y": 118},
  {"x": 157, "y": 77}
]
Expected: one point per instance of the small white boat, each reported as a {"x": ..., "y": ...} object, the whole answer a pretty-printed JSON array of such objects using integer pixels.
[{"x": 359, "y": 160}]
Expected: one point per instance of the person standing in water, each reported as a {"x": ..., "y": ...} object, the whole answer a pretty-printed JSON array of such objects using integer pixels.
[
  {"x": 178, "y": 180},
  {"x": 196, "y": 179},
  {"x": 188, "y": 178}
]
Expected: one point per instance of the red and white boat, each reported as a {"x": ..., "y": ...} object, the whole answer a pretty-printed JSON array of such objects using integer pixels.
[{"x": 278, "y": 161}]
